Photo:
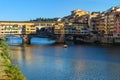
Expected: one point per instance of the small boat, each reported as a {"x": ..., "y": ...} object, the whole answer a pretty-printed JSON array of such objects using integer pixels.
[{"x": 65, "y": 46}]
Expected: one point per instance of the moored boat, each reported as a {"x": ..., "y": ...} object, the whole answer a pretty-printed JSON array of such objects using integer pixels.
[{"x": 65, "y": 46}]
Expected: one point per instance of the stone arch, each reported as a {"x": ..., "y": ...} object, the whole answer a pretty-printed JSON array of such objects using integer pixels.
[{"x": 9, "y": 38}]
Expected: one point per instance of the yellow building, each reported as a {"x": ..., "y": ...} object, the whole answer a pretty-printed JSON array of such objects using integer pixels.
[
  {"x": 99, "y": 24},
  {"x": 78, "y": 12},
  {"x": 77, "y": 16},
  {"x": 30, "y": 29},
  {"x": 44, "y": 25},
  {"x": 59, "y": 28},
  {"x": 21, "y": 27},
  {"x": 7, "y": 27}
]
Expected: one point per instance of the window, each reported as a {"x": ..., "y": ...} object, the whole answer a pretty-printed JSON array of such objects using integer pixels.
[
  {"x": 48, "y": 24},
  {"x": 42, "y": 24},
  {"x": 37, "y": 24}
]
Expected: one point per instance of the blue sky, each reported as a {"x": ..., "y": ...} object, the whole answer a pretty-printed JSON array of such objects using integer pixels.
[{"x": 30, "y": 9}]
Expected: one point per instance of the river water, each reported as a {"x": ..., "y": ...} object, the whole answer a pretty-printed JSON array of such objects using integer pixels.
[{"x": 77, "y": 62}]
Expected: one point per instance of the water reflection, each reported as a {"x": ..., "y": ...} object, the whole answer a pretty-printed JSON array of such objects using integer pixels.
[
  {"x": 42, "y": 41},
  {"x": 53, "y": 62},
  {"x": 12, "y": 40}
]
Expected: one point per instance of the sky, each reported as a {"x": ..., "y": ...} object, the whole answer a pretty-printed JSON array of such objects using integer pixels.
[{"x": 22, "y": 10}]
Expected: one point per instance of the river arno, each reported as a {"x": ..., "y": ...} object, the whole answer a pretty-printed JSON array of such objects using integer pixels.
[{"x": 77, "y": 62}]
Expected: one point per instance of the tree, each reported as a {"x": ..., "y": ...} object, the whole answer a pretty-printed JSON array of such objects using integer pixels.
[{"x": 45, "y": 19}]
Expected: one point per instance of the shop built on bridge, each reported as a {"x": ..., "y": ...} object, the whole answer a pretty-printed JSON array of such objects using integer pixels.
[{"x": 26, "y": 30}]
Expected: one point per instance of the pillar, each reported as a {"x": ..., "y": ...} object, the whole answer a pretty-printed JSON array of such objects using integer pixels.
[{"x": 26, "y": 39}]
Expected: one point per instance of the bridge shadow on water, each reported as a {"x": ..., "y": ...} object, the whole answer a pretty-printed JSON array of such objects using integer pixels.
[
  {"x": 16, "y": 41},
  {"x": 13, "y": 40},
  {"x": 42, "y": 41}
]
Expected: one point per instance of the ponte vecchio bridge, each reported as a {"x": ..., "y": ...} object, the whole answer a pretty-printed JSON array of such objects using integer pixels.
[{"x": 24, "y": 29}]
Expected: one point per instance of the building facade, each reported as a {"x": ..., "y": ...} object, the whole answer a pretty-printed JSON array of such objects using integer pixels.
[
  {"x": 113, "y": 22},
  {"x": 21, "y": 28},
  {"x": 107, "y": 23},
  {"x": 76, "y": 23},
  {"x": 59, "y": 28}
]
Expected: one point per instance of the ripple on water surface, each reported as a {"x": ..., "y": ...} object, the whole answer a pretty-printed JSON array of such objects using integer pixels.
[
  {"x": 48, "y": 68},
  {"x": 73, "y": 63}
]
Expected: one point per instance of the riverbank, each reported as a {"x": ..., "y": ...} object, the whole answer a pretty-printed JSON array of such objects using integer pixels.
[{"x": 8, "y": 71}]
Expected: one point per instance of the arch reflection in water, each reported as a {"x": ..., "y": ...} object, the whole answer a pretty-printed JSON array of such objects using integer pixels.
[
  {"x": 42, "y": 41},
  {"x": 13, "y": 40}
]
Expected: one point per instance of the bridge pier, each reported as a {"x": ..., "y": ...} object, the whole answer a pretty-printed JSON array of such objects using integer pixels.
[
  {"x": 28, "y": 41},
  {"x": 60, "y": 38},
  {"x": 74, "y": 38},
  {"x": 25, "y": 39}
]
